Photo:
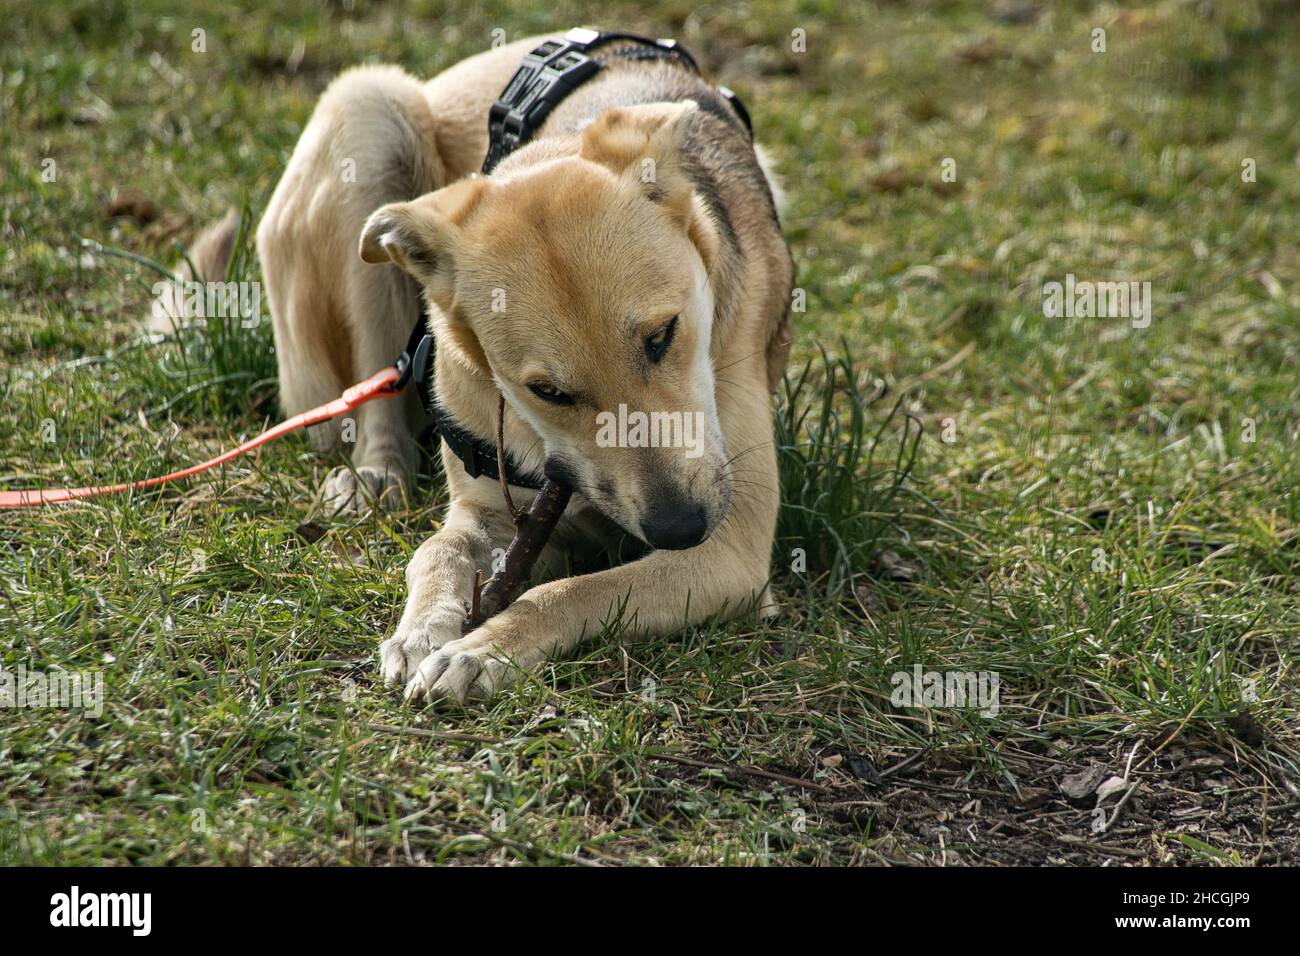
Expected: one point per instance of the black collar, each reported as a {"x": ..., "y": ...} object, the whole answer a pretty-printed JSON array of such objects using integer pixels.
[
  {"x": 478, "y": 456},
  {"x": 548, "y": 74}
]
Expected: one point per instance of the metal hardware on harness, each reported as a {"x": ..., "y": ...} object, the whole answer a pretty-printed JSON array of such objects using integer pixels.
[{"x": 545, "y": 77}]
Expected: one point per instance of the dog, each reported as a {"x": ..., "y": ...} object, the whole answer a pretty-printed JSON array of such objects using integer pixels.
[{"x": 628, "y": 260}]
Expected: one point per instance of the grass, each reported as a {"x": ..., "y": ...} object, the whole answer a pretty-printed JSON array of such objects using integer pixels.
[{"x": 1104, "y": 516}]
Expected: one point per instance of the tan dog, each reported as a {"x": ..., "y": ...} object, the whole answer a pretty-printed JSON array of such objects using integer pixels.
[{"x": 628, "y": 260}]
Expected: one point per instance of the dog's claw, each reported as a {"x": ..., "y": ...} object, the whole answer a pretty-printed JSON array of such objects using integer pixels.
[
  {"x": 401, "y": 656},
  {"x": 414, "y": 689},
  {"x": 428, "y": 678},
  {"x": 470, "y": 670}
]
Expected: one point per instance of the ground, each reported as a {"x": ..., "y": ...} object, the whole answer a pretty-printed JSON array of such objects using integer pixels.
[{"x": 1100, "y": 511}]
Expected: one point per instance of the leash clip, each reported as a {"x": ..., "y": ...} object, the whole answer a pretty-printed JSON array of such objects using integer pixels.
[{"x": 415, "y": 365}]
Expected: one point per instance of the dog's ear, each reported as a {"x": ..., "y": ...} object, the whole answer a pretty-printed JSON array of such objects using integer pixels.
[
  {"x": 645, "y": 144},
  {"x": 421, "y": 236}
]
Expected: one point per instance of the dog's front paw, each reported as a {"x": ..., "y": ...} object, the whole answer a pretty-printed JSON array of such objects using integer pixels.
[
  {"x": 415, "y": 639},
  {"x": 477, "y": 665},
  {"x": 356, "y": 492}
]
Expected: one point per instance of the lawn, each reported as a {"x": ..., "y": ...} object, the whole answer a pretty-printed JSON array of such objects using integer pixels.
[{"x": 1100, "y": 511}]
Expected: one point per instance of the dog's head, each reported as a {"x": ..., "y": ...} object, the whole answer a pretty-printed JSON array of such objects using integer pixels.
[{"x": 579, "y": 283}]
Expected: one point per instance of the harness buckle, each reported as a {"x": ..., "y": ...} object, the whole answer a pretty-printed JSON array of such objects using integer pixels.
[{"x": 413, "y": 366}]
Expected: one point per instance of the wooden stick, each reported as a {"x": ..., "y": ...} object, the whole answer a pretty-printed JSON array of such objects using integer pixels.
[
  {"x": 501, "y": 458},
  {"x": 474, "y": 613},
  {"x": 533, "y": 529},
  {"x": 735, "y": 769}
]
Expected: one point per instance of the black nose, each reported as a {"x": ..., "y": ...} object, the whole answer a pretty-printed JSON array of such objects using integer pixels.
[{"x": 675, "y": 527}]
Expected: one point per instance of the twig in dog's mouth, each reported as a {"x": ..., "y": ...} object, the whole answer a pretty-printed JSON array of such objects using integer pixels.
[
  {"x": 501, "y": 458},
  {"x": 533, "y": 529}
]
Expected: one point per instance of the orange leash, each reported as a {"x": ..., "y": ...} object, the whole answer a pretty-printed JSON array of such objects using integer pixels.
[{"x": 383, "y": 384}]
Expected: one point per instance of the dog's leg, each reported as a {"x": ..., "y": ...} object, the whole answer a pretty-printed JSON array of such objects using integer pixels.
[
  {"x": 440, "y": 583},
  {"x": 383, "y": 305},
  {"x": 658, "y": 594},
  {"x": 337, "y": 320}
]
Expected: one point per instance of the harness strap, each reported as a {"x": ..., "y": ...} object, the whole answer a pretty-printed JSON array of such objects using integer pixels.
[{"x": 551, "y": 71}]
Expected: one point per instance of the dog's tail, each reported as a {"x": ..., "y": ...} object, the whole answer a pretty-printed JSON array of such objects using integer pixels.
[{"x": 210, "y": 253}]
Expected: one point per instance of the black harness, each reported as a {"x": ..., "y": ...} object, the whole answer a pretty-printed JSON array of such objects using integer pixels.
[
  {"x": 557, "y": 67},
  {"x": 546, "y": 76}
]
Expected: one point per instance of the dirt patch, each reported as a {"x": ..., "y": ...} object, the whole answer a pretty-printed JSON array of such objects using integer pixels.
[{"x": 1189, "y": 804}]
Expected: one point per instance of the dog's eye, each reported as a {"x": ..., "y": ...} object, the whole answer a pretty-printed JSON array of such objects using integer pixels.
[
  {"x": 656, "y": 346},
  {"x": 549, "y": 393}
]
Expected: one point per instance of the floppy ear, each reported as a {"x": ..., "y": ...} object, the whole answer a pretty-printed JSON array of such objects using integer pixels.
[
  {"x": 644, "y": 144},
  {"x": 421, "y": 236}
]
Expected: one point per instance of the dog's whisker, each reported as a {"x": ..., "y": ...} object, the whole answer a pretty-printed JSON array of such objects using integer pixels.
[
  {"x": 743, "y": 358},
  {"x": 737, "y": 455},
  {"x": 754, "y": 484}
]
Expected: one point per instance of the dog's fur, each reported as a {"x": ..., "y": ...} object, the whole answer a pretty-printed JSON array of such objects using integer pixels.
[{"x": 640, "y": 199}]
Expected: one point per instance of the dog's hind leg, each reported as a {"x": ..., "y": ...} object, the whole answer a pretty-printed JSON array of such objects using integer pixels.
[{"x": 337, "y": 320}]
